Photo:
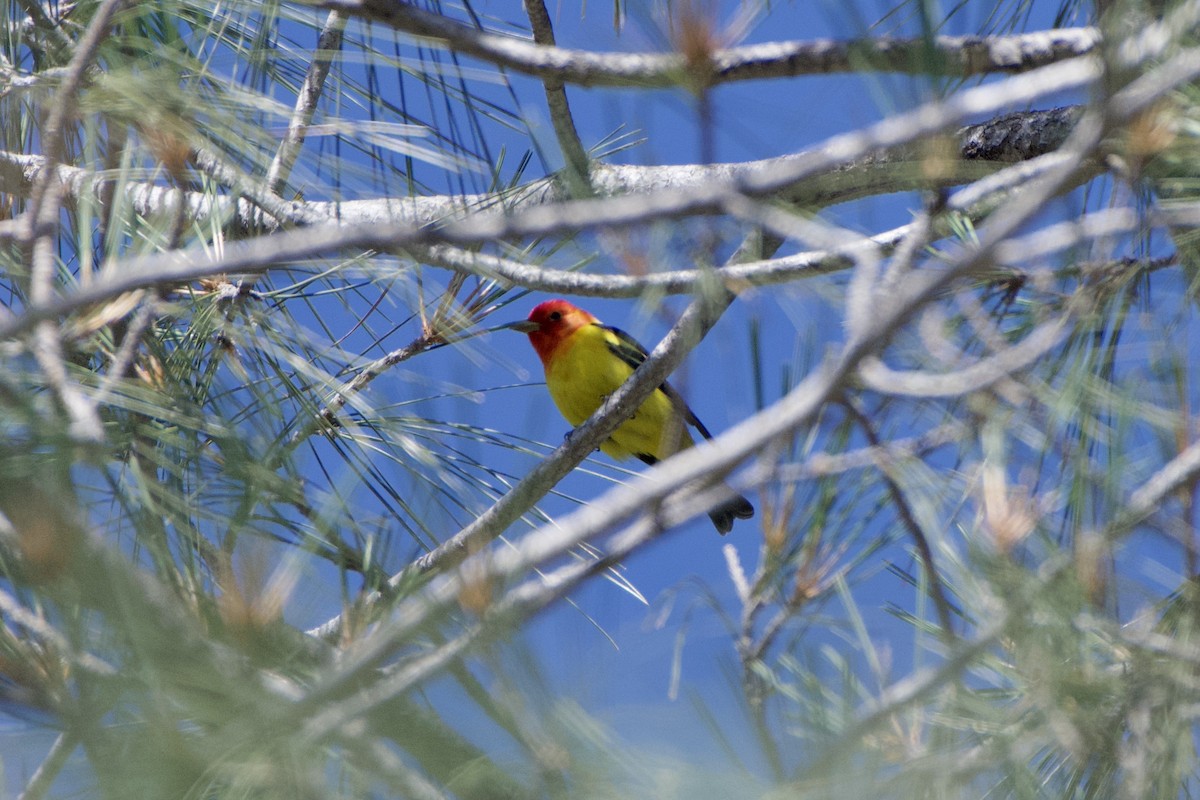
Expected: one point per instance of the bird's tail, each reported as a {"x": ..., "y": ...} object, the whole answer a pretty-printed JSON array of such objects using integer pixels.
[{"x": 724, "y": 514}]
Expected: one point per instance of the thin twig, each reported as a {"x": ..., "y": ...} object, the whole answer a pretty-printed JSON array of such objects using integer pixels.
[
  {"x": 404, "y": 779},
  {"x": 820, "y": 465},
  {"x": 1155, "y": 491},
  {"x": 328, "y": 414},
  {"x": 37, "y": 625},
  {"x": 127, "y": 351},
  {"x": 43, "y": 777},
  {"x": 936, "y": 589},
  {"x": 574, "y": 154},
  {"x": 43, "y": 228},
  {"x": 328, "y": 43},
  {"x": 975, "y": 377},
  {"x": 42, "y": 22}
]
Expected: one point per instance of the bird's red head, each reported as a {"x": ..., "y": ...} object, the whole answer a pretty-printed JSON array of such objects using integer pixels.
[{"x": 556, "y": 320}]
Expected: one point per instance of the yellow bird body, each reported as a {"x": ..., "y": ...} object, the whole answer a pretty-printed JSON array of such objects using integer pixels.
[
  {"x": 584, "y": 372},
  {"x": 585, "y": 362}
]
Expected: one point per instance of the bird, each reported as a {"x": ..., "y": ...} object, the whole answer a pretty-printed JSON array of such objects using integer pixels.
[{"x": 585, "y": 361}]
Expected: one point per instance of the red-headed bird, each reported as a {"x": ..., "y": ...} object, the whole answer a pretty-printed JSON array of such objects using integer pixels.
[{"x": 586, "y": 361}]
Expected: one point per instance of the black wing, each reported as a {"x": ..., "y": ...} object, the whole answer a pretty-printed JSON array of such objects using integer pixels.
[{"x": 628, "y": 350}]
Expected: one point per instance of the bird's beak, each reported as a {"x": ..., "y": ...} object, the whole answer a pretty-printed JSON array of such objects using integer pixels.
[{"x": 522, "y": 326}]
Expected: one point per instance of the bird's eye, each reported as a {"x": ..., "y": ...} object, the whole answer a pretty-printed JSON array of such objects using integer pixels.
[{"x": 556, "y": 316}]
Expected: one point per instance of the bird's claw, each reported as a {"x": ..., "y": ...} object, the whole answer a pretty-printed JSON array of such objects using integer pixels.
[{"x": 570, "y": 435}]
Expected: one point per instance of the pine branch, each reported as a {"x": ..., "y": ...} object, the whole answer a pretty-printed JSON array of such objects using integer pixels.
[{"x": 951, "y": 55}]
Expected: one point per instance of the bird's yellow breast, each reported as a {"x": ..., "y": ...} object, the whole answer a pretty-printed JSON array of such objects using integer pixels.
[{"x": 585, "y": 371}]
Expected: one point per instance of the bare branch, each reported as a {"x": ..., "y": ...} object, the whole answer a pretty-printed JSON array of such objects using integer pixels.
[
  {"x": 981, "y": 148},
  {"x": 328, "y": 43},
  {"x": 123, "y": 358},
  {"x": 975, "y": 201},
  {"x": 42, "y": 218},
  {"x": 556, "y": 99},
  {"x": 1154, "y": 492},
  {"x": 44, "y": 776},
  {"x": 822, "y": 464},
  {"x": 329, "y": 414},
  {"x": 951, "y": 55},
  {"x": 37, "y": 625},
  {"x": 41, "y": 22},
  {"x": 590, "y": 214},
  {"x": 980, "y": 375}
]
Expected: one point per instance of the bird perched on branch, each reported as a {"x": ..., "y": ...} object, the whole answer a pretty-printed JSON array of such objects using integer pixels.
[{"x": 586, "y": 361}]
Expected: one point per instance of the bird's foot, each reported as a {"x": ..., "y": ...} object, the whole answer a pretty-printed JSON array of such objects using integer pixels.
[{"x": 570, "y": 434}]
